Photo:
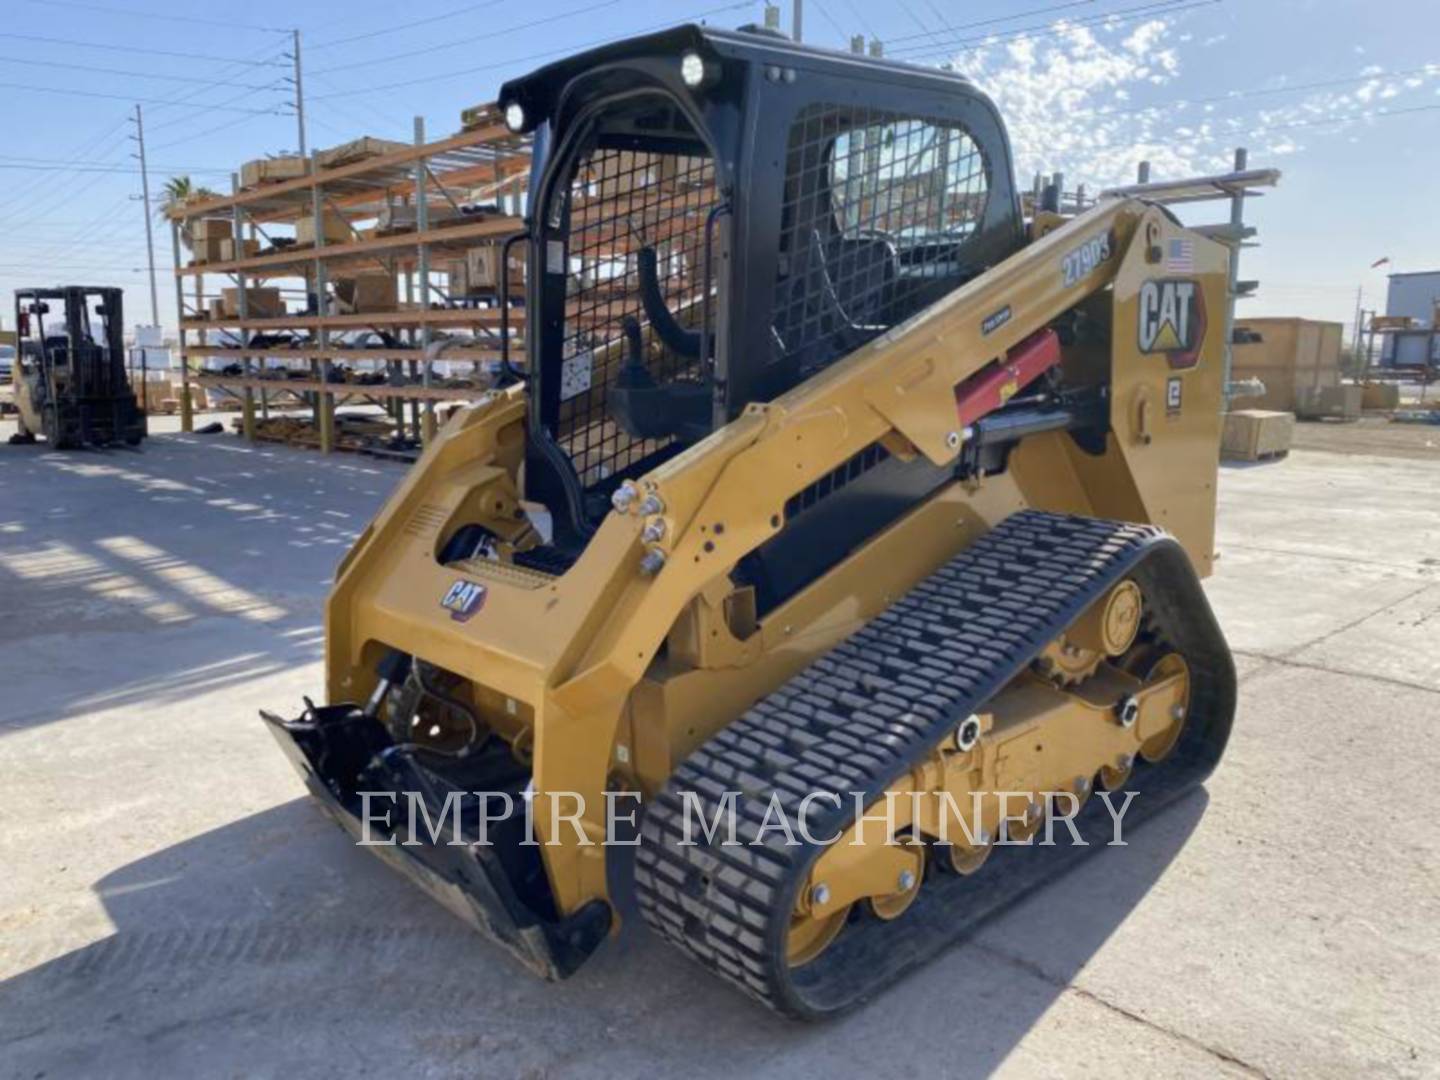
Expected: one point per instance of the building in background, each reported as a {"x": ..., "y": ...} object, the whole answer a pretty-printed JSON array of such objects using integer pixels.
[{"x": 1414, "y": 297}]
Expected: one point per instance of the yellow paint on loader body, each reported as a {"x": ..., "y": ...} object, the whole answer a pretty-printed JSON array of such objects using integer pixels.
[{"x": 566, "y": 667}]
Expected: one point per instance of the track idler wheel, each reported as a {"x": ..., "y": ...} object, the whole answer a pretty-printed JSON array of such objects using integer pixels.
[
  {"x": 966, "y": 861},
  {"x": 1158, "y": 746},
  {"x": 810, "y": 935},
  {"x": 895, "y": 904}
]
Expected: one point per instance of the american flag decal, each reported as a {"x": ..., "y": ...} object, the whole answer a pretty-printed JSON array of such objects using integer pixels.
[{"x": 1180, "y": 255}]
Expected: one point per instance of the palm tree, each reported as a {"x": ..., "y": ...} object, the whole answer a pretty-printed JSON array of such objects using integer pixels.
[{"x": 180, "y": 189}]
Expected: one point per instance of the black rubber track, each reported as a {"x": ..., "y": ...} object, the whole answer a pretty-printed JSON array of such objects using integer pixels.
[{"x": 855, "y": 720}]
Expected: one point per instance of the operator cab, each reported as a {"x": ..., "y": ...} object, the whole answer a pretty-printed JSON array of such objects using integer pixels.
[{"x": 715, "y": 217}]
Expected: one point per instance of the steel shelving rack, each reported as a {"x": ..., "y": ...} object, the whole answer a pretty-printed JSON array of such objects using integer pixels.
[{"x": 488, "y": 160}]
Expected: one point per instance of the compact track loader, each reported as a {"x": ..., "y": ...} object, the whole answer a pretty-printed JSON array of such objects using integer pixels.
[
  {"x": 70, "y": 382},
  {"x": 831, "y": 490}
]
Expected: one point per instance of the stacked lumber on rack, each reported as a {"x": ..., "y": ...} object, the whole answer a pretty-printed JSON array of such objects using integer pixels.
[
  {"x": 350, "y": 317},
  {"x": 361, "y": 149},
  {"x": 273, "y": 170}
]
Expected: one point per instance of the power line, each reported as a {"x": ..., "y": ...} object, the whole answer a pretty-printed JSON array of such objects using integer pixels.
[
  {"x": 913, "y": 18},
  {"x": 127, "y": 97},
  {"x": 70, "y": 187},
  {"x": 1110, "y": 18},
  {"x": 277, "y": 84},
  {"x": 121, "y": 170},
  {"x": 1350, "y": 118},
  {"x": 123, "y": 71},
  {"x": 26, "y": 189},
  {"x": 358, "y": 116},
  {"x": 1235, "y": 128},
  {"x": 209, "y": 131},
  {"x": 454, "y": 12},
  {"x": 1234, "y": 95},
  {"x": 42, "y": 39},
  {"x": 61, "y": 191},
  {"x": 533, "y": 56},
  {"x": 98, "y": 267},
  {"x": 461, "y": 42},
  {"x": 828, "y": 18},
  {"x": 865, "y": 24},
  {"x": 131, "y": 13},
  {"x": 987, "y": 22}
]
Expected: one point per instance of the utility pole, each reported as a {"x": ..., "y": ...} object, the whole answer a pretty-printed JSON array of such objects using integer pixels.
[
  {"x": 1359, "y": 295},
  {"x": 797, "y": 19},
  {"x": 145, "y": 203},
  {"x": 300, "y": 90},
  {"x": 1237, "y": 226}
]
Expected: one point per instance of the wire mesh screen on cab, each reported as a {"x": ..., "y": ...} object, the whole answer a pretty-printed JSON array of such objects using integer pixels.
[
  {"x": 878, "y": 208},
  {"x": 637, "y": 224}
]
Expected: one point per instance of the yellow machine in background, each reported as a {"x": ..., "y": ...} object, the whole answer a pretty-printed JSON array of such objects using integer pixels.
[{"x": 828, "y": 481}]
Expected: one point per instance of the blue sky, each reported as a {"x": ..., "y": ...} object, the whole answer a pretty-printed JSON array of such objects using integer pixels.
[{"x": 1342, "y": 95}]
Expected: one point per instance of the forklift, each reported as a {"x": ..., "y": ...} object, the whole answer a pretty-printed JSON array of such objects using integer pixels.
[{"x": 70, "y": 380}]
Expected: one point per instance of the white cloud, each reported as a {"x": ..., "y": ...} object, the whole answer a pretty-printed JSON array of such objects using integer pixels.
[{"x": 1075, "y": 102}]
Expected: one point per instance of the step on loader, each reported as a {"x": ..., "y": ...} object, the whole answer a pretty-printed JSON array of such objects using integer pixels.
[{"x": 843, "y": 517}]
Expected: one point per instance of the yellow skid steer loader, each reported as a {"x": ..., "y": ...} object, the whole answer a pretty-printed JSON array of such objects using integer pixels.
[{"x": 846, "y": 519}]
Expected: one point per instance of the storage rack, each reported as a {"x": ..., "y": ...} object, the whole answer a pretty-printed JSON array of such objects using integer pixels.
[{"x": 487, "y": 164}]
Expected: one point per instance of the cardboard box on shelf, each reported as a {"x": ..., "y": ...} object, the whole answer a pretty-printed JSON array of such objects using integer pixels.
[
  {"x": 679, "y": 175},
  {"x": 400, "y": 216},
  {"x": 337, "y": 229},
  {"x": 272, "y": 170},
  {"x": 365, "y": 293},
  {"x": 1380, "y": 395},
  {"x": 1335, "y": 402},
  {"x": 459, "y": 277},
  {"x": 367, "y": 146},
  {"x": 262, "y": 302},
  {"x": 483, "y": 266},
  {"x": 215, "y": 309},
  {"x": 149, "y": 393},
  {"x": 1257, "y": 434},
  {"x": 1292, "y": 357},
  {"x": 212, "y": 229},
  {"x": 623, "y": 172},
  {"x": 246, "y": 249},
  {"x": 207, "y": 251}
]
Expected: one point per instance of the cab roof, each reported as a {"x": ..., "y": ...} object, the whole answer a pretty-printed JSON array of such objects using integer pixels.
[{"x": 537, "y": 92}]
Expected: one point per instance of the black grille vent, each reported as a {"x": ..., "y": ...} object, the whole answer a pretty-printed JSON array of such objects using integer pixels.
[{"x": 827, "y": 485}]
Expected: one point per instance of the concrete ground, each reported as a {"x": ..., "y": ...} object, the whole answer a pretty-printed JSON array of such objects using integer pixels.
[{"x": 172, "y": 905}]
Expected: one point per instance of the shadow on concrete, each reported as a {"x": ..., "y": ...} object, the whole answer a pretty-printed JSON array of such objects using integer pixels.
[
  {"x": 271, "y": 947},
  {"x": 198, "y": 564},
  {"x": 1236, "y": 465}
]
